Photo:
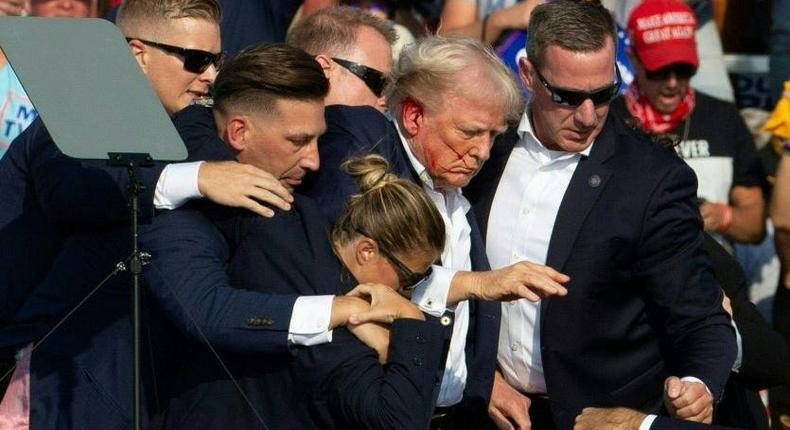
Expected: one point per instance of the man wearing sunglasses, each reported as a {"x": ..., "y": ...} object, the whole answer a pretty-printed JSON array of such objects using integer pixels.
[
  {"x": 575, "y": 189},
  {"x": 713, "y": 138},
  {"x": 355, "y": 50}
]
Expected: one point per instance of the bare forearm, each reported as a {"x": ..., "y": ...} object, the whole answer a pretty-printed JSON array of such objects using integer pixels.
[
  {"x": 780, "y": 215},
  {"x": 748, "y": 223}
]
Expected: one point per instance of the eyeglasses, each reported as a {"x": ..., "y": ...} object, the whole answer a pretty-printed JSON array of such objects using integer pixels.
[
  {"x": 374, "y": 79},
  {"x": 408, "y": 279},
  {"x": 682, "y": 71},
  {"x": 574, "y": 98},
  {"x": 195, "y": 60}
]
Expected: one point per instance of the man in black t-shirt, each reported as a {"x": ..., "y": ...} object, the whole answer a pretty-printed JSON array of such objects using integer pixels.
[{"x": 714, "y": 140}]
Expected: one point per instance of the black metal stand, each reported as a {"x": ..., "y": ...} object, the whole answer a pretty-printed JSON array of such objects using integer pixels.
[{"x": 133, "y": 162}]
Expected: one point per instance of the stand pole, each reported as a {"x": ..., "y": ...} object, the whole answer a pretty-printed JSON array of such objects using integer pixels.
[{"x": 138, "y": 258}]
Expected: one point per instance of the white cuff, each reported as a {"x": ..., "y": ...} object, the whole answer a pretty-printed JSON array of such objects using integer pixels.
[
  {"x": 647, "y": 422},
  {"x": 695, "y": 379},
  {"x": 310, "y": 321},
  {"x": 431, "y": 296},
  {"x": 177, "y": 184}
]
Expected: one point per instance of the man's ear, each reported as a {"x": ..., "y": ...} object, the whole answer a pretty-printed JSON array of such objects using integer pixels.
[
  {"x": 412, "y": 116},
  {"x": 327, "y": 65},
  {"x": 139, "y": 53},
  {"x": 237, "y": 129},
  {"x": 525, "y": 72}
]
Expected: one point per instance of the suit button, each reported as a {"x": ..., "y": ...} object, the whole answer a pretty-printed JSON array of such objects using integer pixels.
[
  {"x": 445, "y": 320},
  {"x": 250, "y": 321},
  {"x": 417, "y": 361}
]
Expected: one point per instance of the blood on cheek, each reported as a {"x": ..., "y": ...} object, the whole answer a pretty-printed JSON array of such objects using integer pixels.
[{"x": 434, "y": 156}]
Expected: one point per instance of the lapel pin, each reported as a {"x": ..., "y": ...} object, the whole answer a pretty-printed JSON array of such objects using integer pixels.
[{"x": 594, "y": 181}]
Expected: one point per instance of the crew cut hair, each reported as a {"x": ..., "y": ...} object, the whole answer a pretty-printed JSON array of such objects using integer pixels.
[
  {"x": 139, "y": 13},
  {"x": 333, "y": 30},
  {"x": 430, "y": 69},
  {"x": 576, "y": 26},
  {"x": 261, "y": 74}
]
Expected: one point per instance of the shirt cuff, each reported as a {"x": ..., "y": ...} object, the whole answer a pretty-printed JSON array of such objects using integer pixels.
[
  {"x": 177, "y": 184},
  {"x": 736, "y": 366},
  {"x": 695, "y": 379},
  {"x": 647, "y": 422},
  {"x": 310, "y": 321},
  {"x": 431, "y": 297}
]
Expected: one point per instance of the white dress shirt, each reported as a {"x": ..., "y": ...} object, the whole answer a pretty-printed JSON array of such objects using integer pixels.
[
  {"x": 453, "y": 207},
  {"x": 519, "y": 228},
  {"x": 309, "y": 325}
]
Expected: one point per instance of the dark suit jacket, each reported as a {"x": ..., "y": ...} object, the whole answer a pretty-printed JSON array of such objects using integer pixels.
[
  {"x": 338, "y": 385},
  {"x": 765, "y": 360},
  {"x": 87, "y": 361},
  {"x": 45, "y": 196},
  {"x": 361, "y": 131},
  {"x": 642, "y": 302}
]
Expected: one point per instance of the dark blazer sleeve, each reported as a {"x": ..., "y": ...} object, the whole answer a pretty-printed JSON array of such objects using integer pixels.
[
  {"x": 187, "y": 275},
  {"x": 679, "y": 284},
  {"x": 361, "y": 393},
  {"x": 765, "y": 360}
]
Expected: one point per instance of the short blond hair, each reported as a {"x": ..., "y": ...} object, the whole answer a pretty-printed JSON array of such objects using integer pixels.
[
  {"x": 136, "y": 14},
  {"x": 430, "y": 69}
]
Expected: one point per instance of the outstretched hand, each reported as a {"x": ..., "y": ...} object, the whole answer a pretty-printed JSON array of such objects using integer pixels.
[
  {"x": 386, "y": 305},
  {"x": 229, "y": 183},
  {"x": 522, "y": 280}
]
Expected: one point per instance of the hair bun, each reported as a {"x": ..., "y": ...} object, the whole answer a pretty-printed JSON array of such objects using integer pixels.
[{"x": 369, "y": 172}]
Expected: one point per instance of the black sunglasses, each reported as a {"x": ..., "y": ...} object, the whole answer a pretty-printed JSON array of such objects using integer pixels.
[
  {"x": 374, "y": 79},
  {"x": 195, "y": 60},
  {"x": 408, "y": 279},
  {"x": 574, "y": 98},
  {"x": 681, "y": 70}
]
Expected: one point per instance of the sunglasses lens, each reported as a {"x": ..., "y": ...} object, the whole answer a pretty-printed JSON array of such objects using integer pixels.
[
  {"x": 681, "y": 71},
  {"x": 197, "y": 62},
  {"x": 375, "y": 83}
]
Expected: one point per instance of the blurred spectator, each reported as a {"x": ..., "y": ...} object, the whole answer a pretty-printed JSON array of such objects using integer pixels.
[
  {"x": 711, "y": 76},
  {"x": 11, "y": 7},
  {"x": 16, "y": 110},
  {"x": 714, "y": 140},
  {"x": 780, "y": 214},
  {"x": 486, "y": 20},
  {"x": 780, "y": 46}
]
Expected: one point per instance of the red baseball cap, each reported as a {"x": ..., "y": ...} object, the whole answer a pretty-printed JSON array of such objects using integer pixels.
[{"x": 662, "y": 33}]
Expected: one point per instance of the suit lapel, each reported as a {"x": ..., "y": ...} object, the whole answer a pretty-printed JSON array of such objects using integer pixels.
[{"x": 587, "y": 183}]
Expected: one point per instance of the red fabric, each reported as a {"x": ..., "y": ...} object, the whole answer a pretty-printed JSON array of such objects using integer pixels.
[
  {"x": 662, "y": 33},
  {"x": 652, "y": 120}
]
